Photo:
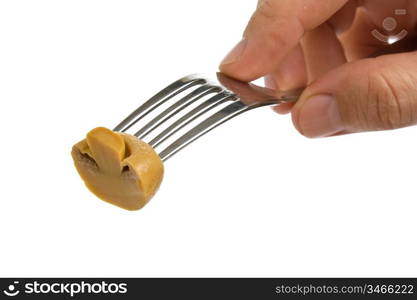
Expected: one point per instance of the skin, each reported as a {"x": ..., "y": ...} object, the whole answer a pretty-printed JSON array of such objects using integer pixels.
[{"x": 325, "y": 45}]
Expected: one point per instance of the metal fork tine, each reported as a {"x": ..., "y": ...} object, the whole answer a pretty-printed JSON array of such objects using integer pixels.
[
  {"x": 176, "y": 108},
  {"x": 164, "y": 95},
  {"x": 191, "y": 116},
  {"x": 225, "y": 114},
  {"x": 244, "y": 96}
]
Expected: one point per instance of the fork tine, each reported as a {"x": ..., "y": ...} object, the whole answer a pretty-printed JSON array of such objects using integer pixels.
[
  {"x": 218, "y": 118},
  {"x": 175, "y": 108},
  {"x": 192, "y": 115},
  {"x": 244, "y": 97},
  {"x": 164, "y": 95}
]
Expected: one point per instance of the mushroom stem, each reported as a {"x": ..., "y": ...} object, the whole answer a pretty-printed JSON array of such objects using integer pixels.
[{"x": 107, "y": 148}]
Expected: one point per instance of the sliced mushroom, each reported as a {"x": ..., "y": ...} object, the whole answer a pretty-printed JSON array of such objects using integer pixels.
[{"x": 118, "y": 168}]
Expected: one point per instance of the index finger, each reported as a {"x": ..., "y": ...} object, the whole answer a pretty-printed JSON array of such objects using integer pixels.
[{"x": 273, "y": 31}]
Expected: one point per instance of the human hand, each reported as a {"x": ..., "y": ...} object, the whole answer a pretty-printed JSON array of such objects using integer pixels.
[{"x": 323, "y": 44}]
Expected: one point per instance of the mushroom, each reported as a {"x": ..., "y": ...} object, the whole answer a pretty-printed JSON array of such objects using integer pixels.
[{"x": 118, "y": 168}]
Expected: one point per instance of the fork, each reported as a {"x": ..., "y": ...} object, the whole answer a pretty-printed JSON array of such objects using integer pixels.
[{"x": 195, "y": 105}]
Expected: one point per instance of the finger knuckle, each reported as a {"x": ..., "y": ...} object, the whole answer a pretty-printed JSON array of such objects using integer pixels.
[
  {"x": 388, "y": 100},
  {"x": 382, "y": 101}
]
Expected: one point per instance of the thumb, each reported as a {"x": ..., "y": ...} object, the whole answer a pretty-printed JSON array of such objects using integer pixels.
[{"x": 366, "y": 95}]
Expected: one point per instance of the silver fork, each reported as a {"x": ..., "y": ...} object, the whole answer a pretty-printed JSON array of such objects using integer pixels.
[{"x": 195, "y": 105}]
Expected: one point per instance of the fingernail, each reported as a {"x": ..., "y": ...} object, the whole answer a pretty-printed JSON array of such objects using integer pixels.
[
  {"x": 320, "y": 117},
  {"x": 235, "y": 53}
]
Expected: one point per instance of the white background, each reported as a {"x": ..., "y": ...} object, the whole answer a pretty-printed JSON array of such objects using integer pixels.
[{"x": 253, "y": 198}]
